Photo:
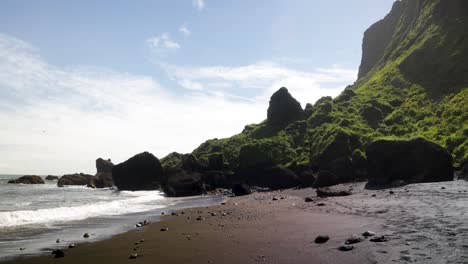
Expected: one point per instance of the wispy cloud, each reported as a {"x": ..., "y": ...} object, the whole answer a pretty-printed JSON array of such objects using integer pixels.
[
  {"x": 265, "y": 77},
  {"x": 199, "y": 4},
  {"x": 61, "y": 119},
  {"x": 184, "y": 30},
  {"x": 162, "y": 43}
]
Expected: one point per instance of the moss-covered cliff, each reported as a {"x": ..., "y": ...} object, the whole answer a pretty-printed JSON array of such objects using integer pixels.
[{"x": 413, "y": 82}]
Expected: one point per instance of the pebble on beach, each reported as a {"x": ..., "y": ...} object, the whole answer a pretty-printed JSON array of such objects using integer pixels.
[
  {"x": 321, "y": 239},
  {"x": 86, "y": 235}
]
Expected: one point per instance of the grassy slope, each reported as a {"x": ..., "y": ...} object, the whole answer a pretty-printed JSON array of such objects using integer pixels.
[{"x": 418, "y": 89}]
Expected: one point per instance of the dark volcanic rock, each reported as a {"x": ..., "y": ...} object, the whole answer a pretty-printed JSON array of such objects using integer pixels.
[
  {"x": 463, "y": 174},
  {"x": 241, "y": 189},
  {"x": 141, "y": 172},
  {"x": 28, "y": 179},
  {"x": 102, "y": 180},
  {"x": 104, "y": 165},
  {"x": 283, "y": 109},
  {"x": 321, "y": 239},
  {"x": 413, "y": 161},
  {"x": 182, "y": 183},
  {"x": 51, "y": 178},
  {"x": 275, "y": 177},
  {"x": 216, "y": 161},
  {"x": 74, "y": 179},
  {"x": 58, "y": 253}
]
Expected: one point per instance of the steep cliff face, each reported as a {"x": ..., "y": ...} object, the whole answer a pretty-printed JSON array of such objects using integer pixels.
[{"x": 413, "y": 82}]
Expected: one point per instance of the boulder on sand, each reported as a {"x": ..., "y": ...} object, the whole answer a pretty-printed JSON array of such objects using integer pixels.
[
  {"x": 182, "y": 183},
  {"x": 239, "y": 189},
  {"x": 332, "y": 192},
  {"x": 141, "y": 172},
  {"x": 325, "y": 179},
  {"x": 28, "y": 179},
  {"x": 74, "y": 179},
  {"x": 412, "y": 161}
]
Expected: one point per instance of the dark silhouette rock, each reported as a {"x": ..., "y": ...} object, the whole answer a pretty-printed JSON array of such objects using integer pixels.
[
  {"x": 74, "y": 179},
  {"x": 58, "y": 253},
  {"x": 325, "y": 179},
  {"x": 321, "y": 239},
  {"x": 241, "y": 189},
  {"x": 141, "y": 172},
  {"x": 412, "y": 161},
  {"x": 28, "y": 179},
  {"x": 51, "y": 178},
  {"x": 463, "y": 174},
  {"x": 283, "y": 109},
  {"x": 104, "y": 166},
  {"x": 183, "y": 183},
  {"x": 274, "y": 177},
  {"x": 102, "y": 180}
]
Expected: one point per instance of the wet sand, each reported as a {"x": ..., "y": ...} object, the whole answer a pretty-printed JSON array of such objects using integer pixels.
[{"x": 424, "y": 223}]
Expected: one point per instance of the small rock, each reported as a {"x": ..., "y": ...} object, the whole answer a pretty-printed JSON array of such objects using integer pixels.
[
  {"x": 321, "y": 239},
  {"x": 368, "y": 234},
  {"x": 86, "y": 235},
  {"x": 391, "y": 192},
  {"x": 133, "y": 256},
  {"x": 320, "y": 204},
  {"x": 381, "y": 238},
  {"x": 57, "y": 241},
  {"x": 275, "y": 199},
  {"x": 22, "y": 248},
  {"x": 223, "y": 203},
  {"x": 443, "y": 188},
  {"x": 139, "y": 225},
  {"x": 72, "y": 246},
  {"x": 200, "y": 218},
  {"x": 345, "y": 247},
  {"x": 162, "y": 213},
  {"x": 174, "y": 213},
  {"x": 142, "y": 240},
  {"x": 353, "y": 240},
  {"x": 214, "y": 214},
  {"x": 58, "y": 253},
  {"x": 164, "y": 229},
  {"x": 308, "y": 200},
  {"x": 373, "y": 195}
]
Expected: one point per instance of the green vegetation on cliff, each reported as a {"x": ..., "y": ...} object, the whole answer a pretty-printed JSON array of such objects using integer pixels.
[{"x": 413, "y": 82}]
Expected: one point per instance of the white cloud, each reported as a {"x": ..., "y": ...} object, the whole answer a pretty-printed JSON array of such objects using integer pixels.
[
  {"x": 57, "y": 120},
  {"x": 199, "y": 4},
  {"x": 184, "y": 30},
  {"x": 265, "y": 78},
  {"x": 162, "y": 43}
]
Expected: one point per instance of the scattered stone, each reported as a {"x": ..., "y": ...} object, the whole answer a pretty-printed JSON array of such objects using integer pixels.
[
  {"x": 86, "y": 235},
  {"x": 345, "y": 247},
  {"x": 321, "y": 239},
  {"x": 164, "y": 229},
  {"x": 373, "y": 195},
  {"x": 72, "y": 246},
  {"x": 308, "y": 200},
  {"x": 58, "y": 253},
  {"x": 353, "y": 240},
  {"x": 133, "y": 256},
  {"x": 174, "y": 213},
  {"x": 142, "y": 240},
  {"x": 368, "y": 234},
  {"x": 332, "y": 192},
  {"x": 214, "y": 214},
  {"x": 22, "y": 248},
  {"x": 223, "y": 203},
  {"x": 139, "y": 225},
  {"x": 391, "y": 192},
  {"x": 57, "y": 241},
  {"x": 443, "y": 188},
  {"x": 275, "y": 199},
  {"x": 162, "y": 213},
  {"x": 200, "y": 218},
  {"x": 320, "y": 204},
  {"x": 381, "y": 238}
]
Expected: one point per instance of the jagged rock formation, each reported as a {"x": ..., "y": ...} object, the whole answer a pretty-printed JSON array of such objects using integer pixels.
[
  {"x": 103, "y": 177},
  {"x": 28, "y": 179},
  {"x": 283, "y": 109},
  {"x": 141, "y": 172},
  {"x": 74, "y": 179}
]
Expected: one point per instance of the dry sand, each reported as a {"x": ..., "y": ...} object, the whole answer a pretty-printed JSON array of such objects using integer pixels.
[{"x": 423, "y": 222}]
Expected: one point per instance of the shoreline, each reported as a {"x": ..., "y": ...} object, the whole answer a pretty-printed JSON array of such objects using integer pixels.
[{"x": 422, "y": 222}]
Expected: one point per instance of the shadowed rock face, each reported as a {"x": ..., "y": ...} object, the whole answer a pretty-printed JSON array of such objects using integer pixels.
[
  {"x": 411, "y": 161},
  {"x": 283, "y": 109},
  {"x": 28, "y": 179},
  {"x": 141, "y": 172},
  {"x": 104, "y": 165},
  {"x": 74, "y": 179}
]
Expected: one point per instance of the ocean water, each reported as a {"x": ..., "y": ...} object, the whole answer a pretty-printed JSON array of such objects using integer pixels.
[{"x": 34, "y": 216}]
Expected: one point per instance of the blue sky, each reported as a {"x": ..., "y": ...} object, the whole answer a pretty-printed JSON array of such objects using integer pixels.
[{"x": 84, "y": 79}]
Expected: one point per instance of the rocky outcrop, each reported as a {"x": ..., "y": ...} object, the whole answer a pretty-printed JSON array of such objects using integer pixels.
[
  {"x": 283, "y": 109},
  {"x": 141, "y": 172},
  {"x": 74, "y": 179},
  {"x": 51, "y": 178},
  {"x": 216, "y": 161},
  {"x": 412, "y": 161},
  {"x": 463, "y": 173},
  {"x": 104, "y": 166},
  {"x": 183, "y": 183},
  {"x": 171, "y": 160},
  {"x": 28, "y": 179}
]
